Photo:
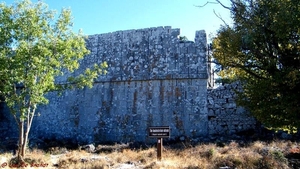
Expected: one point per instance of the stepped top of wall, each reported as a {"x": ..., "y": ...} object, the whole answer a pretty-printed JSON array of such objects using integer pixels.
[{"x": 145, "y": 54}]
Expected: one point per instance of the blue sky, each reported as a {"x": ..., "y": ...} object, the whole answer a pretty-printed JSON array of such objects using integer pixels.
[{"x": 102, "y": 16}]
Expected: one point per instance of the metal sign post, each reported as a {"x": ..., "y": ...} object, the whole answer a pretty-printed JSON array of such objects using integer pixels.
[
  {"x": 159, "y": 132},
  {"x": 159, "y": 148}
]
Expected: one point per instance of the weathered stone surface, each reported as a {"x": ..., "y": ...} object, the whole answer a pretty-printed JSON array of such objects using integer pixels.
[
  {"x": 153, "y": 79},
  {"x": 225, "y": 117}
]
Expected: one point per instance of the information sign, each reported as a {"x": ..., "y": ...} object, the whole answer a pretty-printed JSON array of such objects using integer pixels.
[{"x": 159, "y": 132}]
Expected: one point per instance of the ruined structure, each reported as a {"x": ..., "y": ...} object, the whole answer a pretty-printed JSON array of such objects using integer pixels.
[
  {"x": 154, "y": 79},
  {"x": 224, "y": 116}
]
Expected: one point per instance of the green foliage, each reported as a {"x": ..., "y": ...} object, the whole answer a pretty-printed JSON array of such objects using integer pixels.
[
  {"x": 35, "y": 48},
  {"x": 278, "y": 155},
  {"x": 261, "y": 50},
  {"x": 211, "y": 152},
  {"x": 183, "y": 39}
]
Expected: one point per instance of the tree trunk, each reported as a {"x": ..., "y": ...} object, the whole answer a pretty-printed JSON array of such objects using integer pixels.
[
  {"x": 24, "y": 144},
  {"x": 23, "y": 137},
  {"x": 21, "y": 141},
  {"x": 28, "y": 126}
]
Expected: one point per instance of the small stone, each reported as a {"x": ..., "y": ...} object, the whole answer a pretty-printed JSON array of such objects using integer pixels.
[
  {"x": 226, "y": 167},
  {"x": 89, "y": 148}
]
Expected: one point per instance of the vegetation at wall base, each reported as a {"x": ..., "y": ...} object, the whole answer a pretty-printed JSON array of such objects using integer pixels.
[
  {"x": 233, "y": 154},
  {"x": 262, "y": 50}
]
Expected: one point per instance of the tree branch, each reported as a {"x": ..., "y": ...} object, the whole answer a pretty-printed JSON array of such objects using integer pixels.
[
  {"x": 218, "y": 15},
  {"x": 226, "y": 7},
  {"x": 246, "y": 69},
  {"x": 208, "y": 2}
]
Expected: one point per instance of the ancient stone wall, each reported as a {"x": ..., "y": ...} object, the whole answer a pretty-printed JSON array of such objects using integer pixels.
[
  {"x": 224, "y": 116},
  {"x": 153, "y": 79},
  {"x": 8, "y": 126}
]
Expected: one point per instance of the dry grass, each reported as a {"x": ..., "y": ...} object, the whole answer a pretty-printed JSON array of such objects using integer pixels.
[{"x": 257, "y": 155}]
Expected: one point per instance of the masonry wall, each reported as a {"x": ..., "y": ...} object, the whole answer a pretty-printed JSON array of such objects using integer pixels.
[
  {"x": 8, "y": 126},
  {"x": 224, "y": 116},
  {"x": 153, "y": 80}
]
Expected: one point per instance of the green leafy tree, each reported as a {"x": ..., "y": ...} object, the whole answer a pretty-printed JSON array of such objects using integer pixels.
[
  {"x": 35, "y": 48},
  {"x": 261, "y": 49}
]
